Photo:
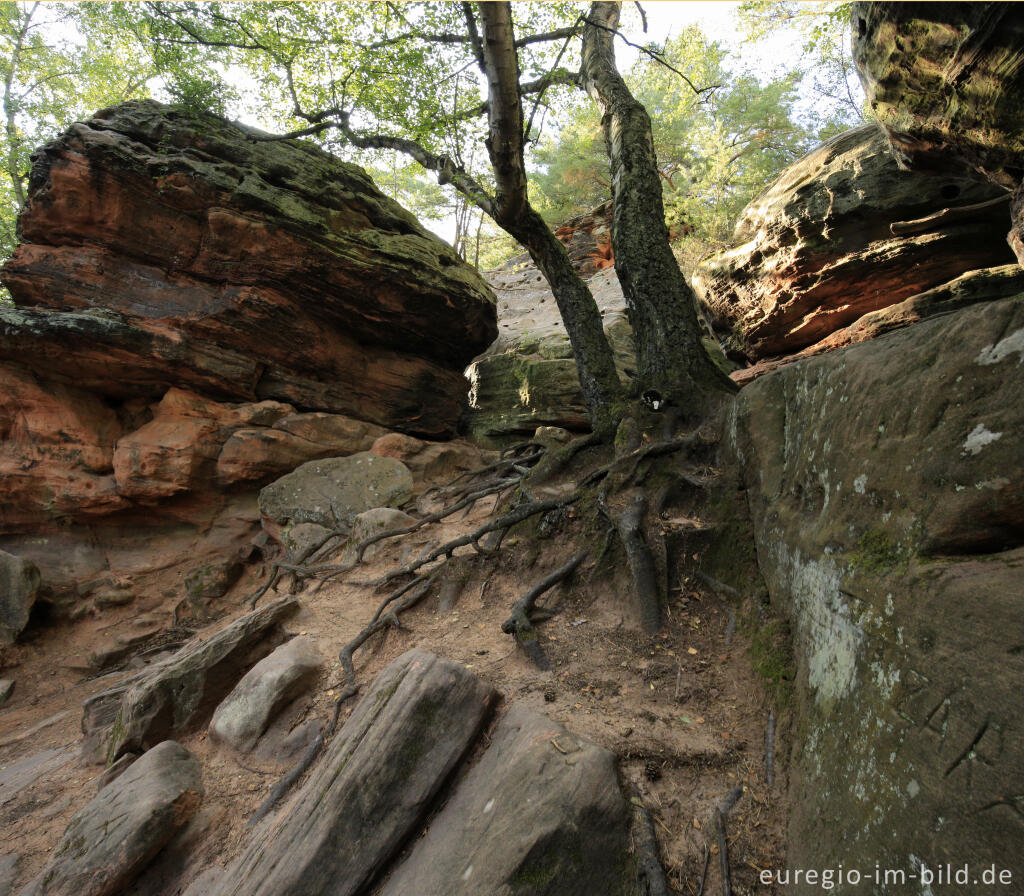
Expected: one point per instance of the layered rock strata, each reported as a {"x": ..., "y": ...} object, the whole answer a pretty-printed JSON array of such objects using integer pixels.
[{"x": 843, "y": 233}]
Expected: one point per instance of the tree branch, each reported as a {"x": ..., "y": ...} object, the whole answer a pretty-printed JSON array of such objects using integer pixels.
[
  {"x": 474, "y": 34},
  {"x": 656, "y": 56}
]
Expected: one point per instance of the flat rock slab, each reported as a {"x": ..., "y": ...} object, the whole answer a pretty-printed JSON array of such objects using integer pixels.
[
  {"x": 264, "y": 690},
  {"x": 331, "y": 492},
  {"x": 175, "y": 694},
  {"x": 369, "y": 793},
  {"x": 541, "y": 813},
  {"x": 127, "y": 823},
  {"x": 16, "y": 776}
]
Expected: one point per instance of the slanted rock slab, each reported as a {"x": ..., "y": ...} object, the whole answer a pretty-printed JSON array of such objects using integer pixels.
[
  {"x": 371, "y": 790},
  {"x": 174, "y": 695},
  {"x": 125, "y": 825},
  {"x": 540, "y": 813},
  {"x": 264, "y": 690},
  {"x": 8, "y": 870},
  {"x": 331, "y": 492},
  {"x": 19, "y": 582}
]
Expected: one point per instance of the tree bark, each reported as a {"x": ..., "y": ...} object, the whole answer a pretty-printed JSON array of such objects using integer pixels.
[
  {"x": 660, "y": 304},
  {"x": 599, "y": 380}
]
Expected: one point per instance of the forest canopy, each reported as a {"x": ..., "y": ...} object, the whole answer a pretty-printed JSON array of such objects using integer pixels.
[{"x": 725, "y": 123}]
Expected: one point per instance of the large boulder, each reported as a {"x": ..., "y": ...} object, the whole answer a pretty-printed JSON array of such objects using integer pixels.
[
  {"x": 816, "y": 250},
  {"x": 332, "y": 492},
  {"x": 109, "y": 842},
  {"x": 946, "y": 82},
  {"x": 887, "y": 493},
  {"x": 274, "y": 252}
]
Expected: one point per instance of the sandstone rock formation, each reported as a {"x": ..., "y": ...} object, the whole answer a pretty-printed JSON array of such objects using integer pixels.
[
  {"x": 982, "y": 285},
  {"x": 946, "y": 82},
  {"x": 887, "y": 492},
  {"x": 528, "y": 378},
  {"x": 588, "y": 240},
  {"x": 815, "y": 250},
  {"x": 115, "y": 836},
  {"x": 187, "y": 230},
  {"x": 198, "y": 312}
]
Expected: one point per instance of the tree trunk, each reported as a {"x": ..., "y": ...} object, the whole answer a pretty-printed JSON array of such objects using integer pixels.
[
  {"x": 512, "y": 211},
  {"x": 660, "y": 304}
]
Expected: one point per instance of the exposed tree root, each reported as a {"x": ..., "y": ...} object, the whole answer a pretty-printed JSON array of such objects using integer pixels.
[
  {"x": 501, "y": 525},
  {"x": 650, "y": 876},
  {"x": 519, "y": 623},
  {"x": 403, "y": 598},
  {"x": 723, "y": 844},
  {"x": 627, "y": 514}
]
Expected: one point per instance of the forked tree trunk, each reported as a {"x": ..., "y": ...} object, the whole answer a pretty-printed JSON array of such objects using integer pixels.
[
  {"x": 602, "y": 390},
  {"x": 660, "y": 304}
]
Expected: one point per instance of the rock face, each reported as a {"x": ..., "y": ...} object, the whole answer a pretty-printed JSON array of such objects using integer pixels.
[
  {"x": 890, "y": 525},
  {"x": 815, "y": 251},
  {"x": 588, "y": 240},
  {"x": 982, "y": 285},
  {"x": 530, "y": 817},
  {"x": 946, "y": 82},
  {"x": 19, "y": 581},
  {"x": 198, "y": 313},
  {"x": 175, "y": 695},
  {"x": 265, "y": 689},
  {"x": 127, "y": 823},
  {"x": 284, "y": 272}
]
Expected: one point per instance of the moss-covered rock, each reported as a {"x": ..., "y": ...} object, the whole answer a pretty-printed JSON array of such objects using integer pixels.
[{"x": 886, "y": 488}]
